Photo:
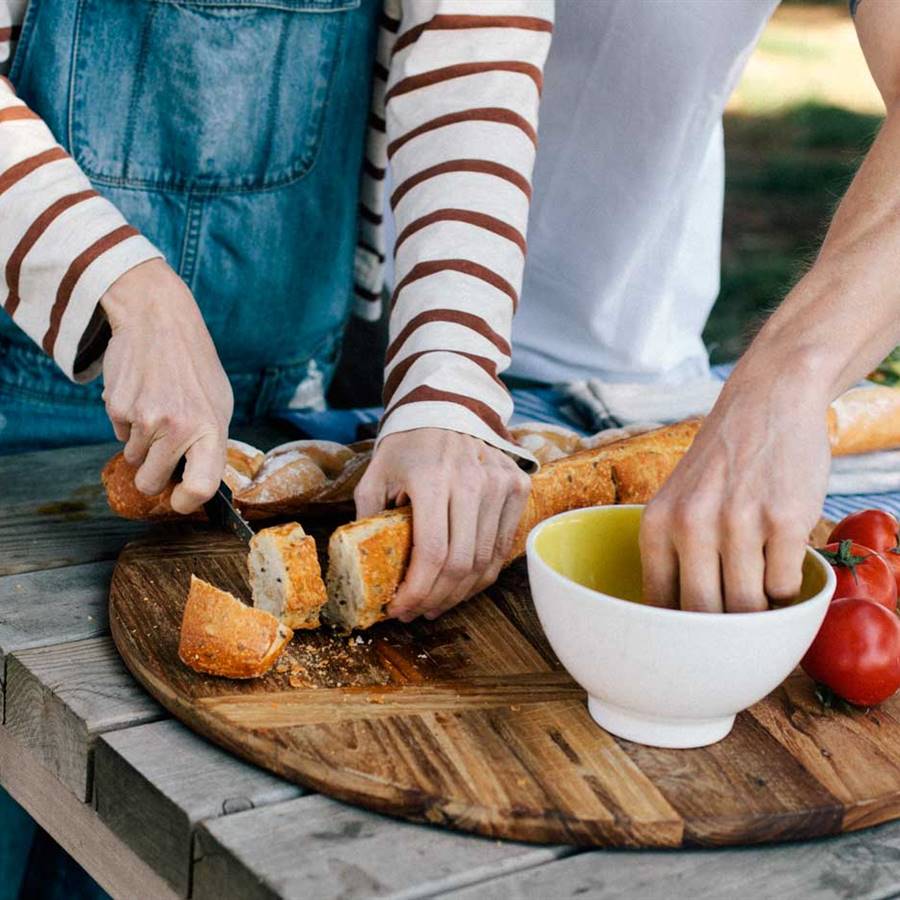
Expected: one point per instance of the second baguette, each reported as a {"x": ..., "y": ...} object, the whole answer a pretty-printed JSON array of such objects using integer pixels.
[{"x": 367, "y": 559}]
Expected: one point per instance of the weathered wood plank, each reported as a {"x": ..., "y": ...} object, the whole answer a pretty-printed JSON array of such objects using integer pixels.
[
  {"x": 75, "y": 826},
  {"x": 863, "y": 865},
  {"x": 317, "y": 847},
  {"x": 155, "y": 782},
  {"x": 53, "y": 510},
  {"x": 52, "y": 607},
  {"x": 59, "y": 698}
]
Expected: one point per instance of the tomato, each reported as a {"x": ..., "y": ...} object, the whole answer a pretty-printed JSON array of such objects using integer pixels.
[
  {"x": 861, "y": 572},
  {"x": 876, "y": 529},
  {"x": 857, "y": 651}
]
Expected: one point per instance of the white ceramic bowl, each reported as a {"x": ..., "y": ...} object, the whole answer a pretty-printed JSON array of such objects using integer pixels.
[{"x": 661, "y": 677}]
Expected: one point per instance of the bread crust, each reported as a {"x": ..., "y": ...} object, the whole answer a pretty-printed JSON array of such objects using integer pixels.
[
  {"x": 382, "y": 558},
  {"x": 222, "y": 636},
  {"x": 864, "y": 420},
  {"x": 304, "y": 591}
]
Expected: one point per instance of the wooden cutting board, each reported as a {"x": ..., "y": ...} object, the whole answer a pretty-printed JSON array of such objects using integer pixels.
[{"x": 470, "y": 722}]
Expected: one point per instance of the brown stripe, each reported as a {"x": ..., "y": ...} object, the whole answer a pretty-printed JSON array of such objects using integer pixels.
[
  {"x": 487, "y": 114},
  {"x": 397, "y": 374},
  {"x": 30, "y": 238},
  {"x": 364, "y": 245},
  {"x": 380, "y": 71},
  {"x": 455, "y": 23},
  {"x": 461, "y": 70},
  {"x": 73, "y": 273},
  {"x": 17, "y": 114},
  {"x": 482, "y": 166},
  {"x": 392, "y": 25},
  {"x": 377, "y": 123},
  {"x": 368, "y": 215},
  {"x": 466, "y": 266},
  {"x": 10, "y": 33},
  {"x": 453, "y": 317},
  {"x": 372, "y": 170},
  {"x": 426, "y": 393},
  {"x": 479, "y": 220},
  {"x": 16, "y": 173}
]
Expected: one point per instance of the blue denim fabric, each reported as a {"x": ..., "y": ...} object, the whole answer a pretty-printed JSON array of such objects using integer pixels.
[{"x": 231, "y": 133}]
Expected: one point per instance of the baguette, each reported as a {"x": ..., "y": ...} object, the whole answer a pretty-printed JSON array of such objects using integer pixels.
[
  {"x": 285, "y": 576},
  {"x": 367, "y": 559},
  {"x": 864, "y": 420},
  {"x": 295, "y": 477},
  {"x": 222, "y": 636}
]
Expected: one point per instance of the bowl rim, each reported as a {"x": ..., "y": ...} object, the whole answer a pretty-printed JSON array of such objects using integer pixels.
[{"x": 583, "y": 592}]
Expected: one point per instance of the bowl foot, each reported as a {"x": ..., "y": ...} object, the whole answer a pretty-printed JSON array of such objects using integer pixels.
[{"x": 658, "y": 732}]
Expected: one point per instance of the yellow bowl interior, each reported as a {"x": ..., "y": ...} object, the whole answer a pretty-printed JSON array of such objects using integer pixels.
[{"x": 598, "y": 548}]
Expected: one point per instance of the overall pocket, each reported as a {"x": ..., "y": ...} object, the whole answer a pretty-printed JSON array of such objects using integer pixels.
[{"x": 203, "y": 96}]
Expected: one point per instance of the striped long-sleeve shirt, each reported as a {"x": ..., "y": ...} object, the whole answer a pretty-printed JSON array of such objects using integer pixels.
[{"x": 454, "y": 113}]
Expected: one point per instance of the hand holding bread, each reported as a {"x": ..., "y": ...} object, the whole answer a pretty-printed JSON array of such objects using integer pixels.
[{"x": 473, "y": 497}]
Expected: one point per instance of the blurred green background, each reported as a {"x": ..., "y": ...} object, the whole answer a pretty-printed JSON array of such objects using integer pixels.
[{"x": 803, "y": 115}]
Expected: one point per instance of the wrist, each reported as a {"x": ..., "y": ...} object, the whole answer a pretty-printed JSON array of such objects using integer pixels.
[
  {"x": 139, "y": 291},
  {"x": 793, "y": 379}
]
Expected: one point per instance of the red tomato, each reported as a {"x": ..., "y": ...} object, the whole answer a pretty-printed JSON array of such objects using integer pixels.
[
  {"x": 857, "y": 651},
  {"x": 861, "y": 572},
  {"x": 876, "y": 529}
]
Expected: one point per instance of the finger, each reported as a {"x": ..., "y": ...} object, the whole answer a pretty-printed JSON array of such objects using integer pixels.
[
  {"x": 699, "y": 575},
  {"x": 511, "y": 516},
  {"x": 370, "y": 495},
  {"x": 137, "y": 447},
  {"x": 431, "y": 532},
  {"x": 743, "y": 573},
  {"x": 458, "y": 576},
  {"x": 659, "y": 562},
  {"x": 122, "y": 431},
  {"x": 155, "y": 470},
  {"x": 203, "y": 470},
  {"x": 784, "y": 555}
]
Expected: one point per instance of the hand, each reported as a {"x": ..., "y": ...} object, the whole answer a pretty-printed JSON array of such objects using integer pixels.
[
  {"x": 729, "y": 528},
  {"x": 166, "y": 393},
  {"x": 467, "y": 499}
]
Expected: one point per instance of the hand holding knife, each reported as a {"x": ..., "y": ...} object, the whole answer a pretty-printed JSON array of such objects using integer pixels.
[{"x": 220, "y": 509}]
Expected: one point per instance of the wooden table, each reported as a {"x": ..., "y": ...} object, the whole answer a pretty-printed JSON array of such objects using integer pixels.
[{"x": 151, "y": 810}]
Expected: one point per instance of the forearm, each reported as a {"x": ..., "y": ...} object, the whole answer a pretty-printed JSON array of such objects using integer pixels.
[
  {"x": 843, "y": 316},
  {"x": 61, "y": 244},
  {"x": 462, "y": 101}
]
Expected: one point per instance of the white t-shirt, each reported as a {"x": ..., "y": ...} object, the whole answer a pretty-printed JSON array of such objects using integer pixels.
[{"x": 625, "y": 229}]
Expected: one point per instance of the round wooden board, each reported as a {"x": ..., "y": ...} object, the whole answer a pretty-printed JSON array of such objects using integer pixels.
[{"x": 470, "y": 722}]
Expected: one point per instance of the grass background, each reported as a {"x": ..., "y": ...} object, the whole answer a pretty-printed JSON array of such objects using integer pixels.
[{"x": 803, "y": 115}]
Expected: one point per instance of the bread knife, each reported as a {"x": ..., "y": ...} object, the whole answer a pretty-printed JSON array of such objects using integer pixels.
[{"x": 220, "y": 509}]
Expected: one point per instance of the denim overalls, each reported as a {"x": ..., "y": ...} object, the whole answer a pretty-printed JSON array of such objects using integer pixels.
[{"x": 231, "y": 133}]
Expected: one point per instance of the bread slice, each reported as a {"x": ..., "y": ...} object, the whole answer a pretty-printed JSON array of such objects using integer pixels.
[
  {"x": 366, "y": 562},
  {"x": 222, "y": 636},
  {"x": 285, "y": 575}
]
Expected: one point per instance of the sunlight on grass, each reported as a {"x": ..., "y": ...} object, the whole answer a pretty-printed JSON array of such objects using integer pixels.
[
  {"x": 807, "y": 53},
  {"x": 796, "y": 129}
]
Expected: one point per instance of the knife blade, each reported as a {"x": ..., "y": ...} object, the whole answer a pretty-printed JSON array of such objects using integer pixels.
[{"x": 221, "y": 511}]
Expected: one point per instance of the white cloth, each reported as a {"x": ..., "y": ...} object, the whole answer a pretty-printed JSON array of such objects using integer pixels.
[{"x": 624, "y": 234}]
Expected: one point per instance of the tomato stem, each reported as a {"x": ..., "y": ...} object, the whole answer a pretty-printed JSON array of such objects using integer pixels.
[{"x": 844, "y": 557}]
